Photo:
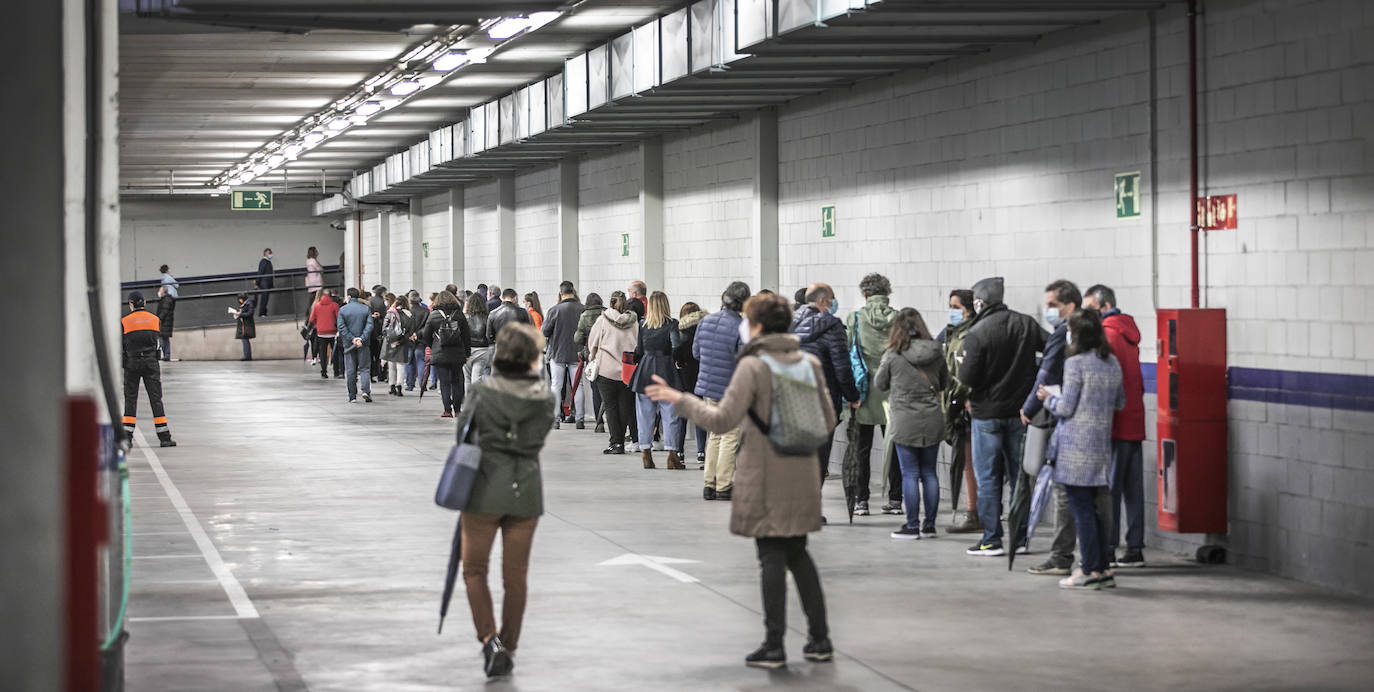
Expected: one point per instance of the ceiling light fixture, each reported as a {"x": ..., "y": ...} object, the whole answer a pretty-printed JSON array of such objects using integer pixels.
[
  {"x": 369, "y": 108},
  {"x": 294, "y": 150},
  {"x": 275, "y": 160},
  {"x": 338, "y": 124},
  {"x": 478, "y": 56},
  {"x": 313, "y": 138},
  {"x": 405, "y": 87},
  {"x": 449, "y": 61},
  {"x": 508, "y": 27}
]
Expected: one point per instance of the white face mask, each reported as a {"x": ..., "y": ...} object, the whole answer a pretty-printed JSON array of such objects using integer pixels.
[
  {"x": 744, "y": 330},
  {"x": 1068, "y": 338},
  {"x": 978, "y": 306}
]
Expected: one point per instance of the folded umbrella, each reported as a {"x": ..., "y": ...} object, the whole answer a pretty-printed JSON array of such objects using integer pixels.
[
  {"x": 1033, "y": 464},
  {"x": 1018, "y": 515},
  {"x": 1044, "y": 487},
  {"x": 451, "y": 577},
  {"x": 850, "y": 469},
  {"x": 424, "y": 379},
  {"x": 957, "y": 460}
]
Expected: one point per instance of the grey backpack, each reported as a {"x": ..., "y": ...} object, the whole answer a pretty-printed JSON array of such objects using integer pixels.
[{"x": 798, "y": 426}]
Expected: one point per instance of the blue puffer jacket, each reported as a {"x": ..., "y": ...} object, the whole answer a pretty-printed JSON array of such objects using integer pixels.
[
  {"x": 823, "y": 336},
  {"x": 716, "y": 343}
]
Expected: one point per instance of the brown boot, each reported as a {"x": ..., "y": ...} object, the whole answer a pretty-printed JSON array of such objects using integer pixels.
[
  {"x": 648, "y": 455},
  {"x": 675, "y": 462}
]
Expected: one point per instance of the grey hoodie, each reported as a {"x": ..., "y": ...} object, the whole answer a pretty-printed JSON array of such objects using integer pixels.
[{"x": 915, "y": 379}]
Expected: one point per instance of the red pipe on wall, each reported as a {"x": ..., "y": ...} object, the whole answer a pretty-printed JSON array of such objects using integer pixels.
[
  {"x": 86, "y": 529},
  {"x": 1192, "y": 146}
]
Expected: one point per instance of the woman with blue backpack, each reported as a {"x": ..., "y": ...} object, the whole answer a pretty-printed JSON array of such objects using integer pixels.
[{"x": 777, "y": 492}]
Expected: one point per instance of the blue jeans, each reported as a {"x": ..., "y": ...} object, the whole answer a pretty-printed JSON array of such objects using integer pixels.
[
  {"x": 1092, "y": 538},
  {"x": 358, "y": 361},
  {"x": 918, "y": 469},
  {"x": 644, "y": 417},
  {"x": 997, "y": 447},
  {"x": 414, "y": 366},
  {"x": 247, "y": 349},
  {"x": 1128, "y": 483}
]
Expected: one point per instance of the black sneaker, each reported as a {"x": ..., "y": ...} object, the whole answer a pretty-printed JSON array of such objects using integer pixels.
[
  {"x": 764, "y": 657},
  {"x": 928, "y": 532},
  {"x": 819, "y": 651},
  {"x": 861, "y": 508},
  {"x": 708, "y": 493},
  {"x": 367, "y": 398},
  {"x": 614, "y": 449},
  {"x": 569, "y": 419},
  {"x": 498, "y": 660},
  {"x": 1132, "y": 558},
  {"x": 581, "y": 425},
  {"x": 324, "y": 376},
  {"x": 723, "y": 495},
  {"x": 600, "y": 428},
  {"x": 169, "y": 442},
  {"x": 1048, "y": 567},
  {"x": 986, "y": 550},
  {"x": 906, "y": 533},
  {"x": 893, "y": 507},
  {"x": 701, "y": 457}
]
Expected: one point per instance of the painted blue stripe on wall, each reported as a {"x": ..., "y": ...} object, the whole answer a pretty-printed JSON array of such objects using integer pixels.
[{"x": 1294, "y": 388}]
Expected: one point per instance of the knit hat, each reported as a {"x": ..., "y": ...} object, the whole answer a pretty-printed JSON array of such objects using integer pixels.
[{"x": 136, "y": 298}]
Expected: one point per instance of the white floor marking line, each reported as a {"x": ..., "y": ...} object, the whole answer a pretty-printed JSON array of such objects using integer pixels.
[
  {"x": 165, "y": 557},
  {"x": 243, "y": 607},
  {"x": 184, "y": 618},
  {"x": 655, "y": 563}
]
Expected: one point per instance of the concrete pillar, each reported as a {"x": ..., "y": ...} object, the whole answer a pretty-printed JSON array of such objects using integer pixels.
[
  {"x": 352, "y": 276},
  {"x": 505, "y": 225},
  {"x": 651, "y": 212},
  {"x": 569, "y": 250},
  {"x": 383, "y": 272},
  {"x": 457, "y": 272},
  {"x": 417, "y": 248},
  {"x": 764, "y": 219}
]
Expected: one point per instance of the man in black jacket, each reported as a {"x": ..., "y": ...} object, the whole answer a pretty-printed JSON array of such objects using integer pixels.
[
  {"x": 166, "y": 315},
  {"x": 822, "y": 334},
  {"x": 377, "y": 304},
  {"x": 505, "y": 313},
  {"x": 417, "y": 354},
  {"x": 559, "y": 326},
  {"x": 999, "y": 367},
  {"x": 264, "y": 281}
]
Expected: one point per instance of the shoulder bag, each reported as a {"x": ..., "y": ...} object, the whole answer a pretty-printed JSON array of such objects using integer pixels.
[{"x": 460, "y": 468}]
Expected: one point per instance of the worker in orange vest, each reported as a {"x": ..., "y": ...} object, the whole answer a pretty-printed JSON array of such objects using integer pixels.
[{"x": 141, "y": 330}]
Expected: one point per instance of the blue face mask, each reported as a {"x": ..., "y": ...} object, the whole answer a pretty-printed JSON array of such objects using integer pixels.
[
  {"x": 956, "y": 317},
  {"x": 834, "y": 306},
  {"x": 1053, "y": 318}
]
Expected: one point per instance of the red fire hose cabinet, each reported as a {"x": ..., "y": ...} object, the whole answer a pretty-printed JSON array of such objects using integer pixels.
[{"x": 1191, "y": 450}]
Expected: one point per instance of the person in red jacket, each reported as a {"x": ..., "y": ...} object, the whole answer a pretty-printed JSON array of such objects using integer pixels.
[
  {"x": 1128, "y": 429},
  {"x": 324, "y": 315}
]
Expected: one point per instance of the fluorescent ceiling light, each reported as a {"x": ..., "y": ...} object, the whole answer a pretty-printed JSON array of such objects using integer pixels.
[
  {"x": 388, "y": 104},
  {"x": 275, "y": 160},
  {"x": 260, "y": 169},
  {"x": 369, "y": 108},
  {"x": 508, "y": 27},
  {"x": 450, "y": 61},
  {"x": 338, "y": 124},
  {"x": 404, "y": 88},
  {"x": 236, "y": 181},
  {"x": 358, "y": 120},
  {"x": 429, "y": 81},
  {"x": 294, "y": 150},
  {"x": 479, "y": 55},
  {"x": 314, "y": 138},
  {"x": 539, "y": 19}
]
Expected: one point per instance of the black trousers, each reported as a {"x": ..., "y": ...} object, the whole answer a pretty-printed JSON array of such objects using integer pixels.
[
  {"x": 262, "y": 302},
  {"x": 451, "y": 386},
  {"x": 144, "y": 370},
  {"x": 619, "y": 403},
  {"x": 777, "y": 557},
  {"x": 324, "y": 349},
  {"x": 823, "y": 454},
  {"x": 894, "y": 473}
]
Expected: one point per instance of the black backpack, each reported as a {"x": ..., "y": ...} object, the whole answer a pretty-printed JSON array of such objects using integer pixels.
[{"x": 450, "y": 333}]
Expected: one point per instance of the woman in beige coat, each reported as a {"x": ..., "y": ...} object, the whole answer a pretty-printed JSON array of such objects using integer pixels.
[
  {"x": 777, "y": 498},
  {"x": 615, "y": 333}
]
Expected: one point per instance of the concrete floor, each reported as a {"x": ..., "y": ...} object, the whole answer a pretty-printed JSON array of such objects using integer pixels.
[{"x": 322, "y": 512}]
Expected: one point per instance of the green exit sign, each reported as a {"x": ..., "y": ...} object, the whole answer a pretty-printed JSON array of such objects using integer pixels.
[
  {"x": 1128, "y": 195},
  {"x": 251, "y": 200},
  {"x": 624, "y": 244},
  {"x": 828, "y": 221}
]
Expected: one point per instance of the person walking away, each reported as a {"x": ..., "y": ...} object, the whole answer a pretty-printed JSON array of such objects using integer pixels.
[
  {"x": 244, "y": 328},
  {"x": 956, "y": 412},
  {"x": 450, "y": 344},
  {"x": 559, "y": 328},
  {"x": 397, "y": 331},
  {"x": 592, "y": 311},
  {"x": 658, "y": 337},
  {"x": 354, "y": 324},
  {"x": 166, "y": 316},
  {"x": 1061, "y": 300},
  {"x": 479, "y": 353},
  {"x": 535, "y": 309},
  {"x": 914, "y": 375},
  {"x": 506, "y": 312},
  {"x": 822, "y": 334},
  {"x": 511, "y": 413},
  {"x": 688, "y": 369},
  {"x": 377, "y": 303},
  {"x": 774, "y": 503},
  {"x": 1082, "y": 442},
  {"x": 615, "y": 332},
  {"x": 169, "y": 281},
  {"x": 141, "y": 329},
  {"x": 719, "y": 337},
  {"x": 324, "y": 314},
  {"x": 1128, "y": 430},
  {"x": 419, "y": 313},
  {"x": 263, "y": 282},
  {"x": 999, "y": 368},
  {"x": 314, "y": 271},
  {"x": 871, "y": 325}
]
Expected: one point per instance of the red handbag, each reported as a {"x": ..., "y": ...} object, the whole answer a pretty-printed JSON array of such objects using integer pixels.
[{"x": 627, "y": 366}]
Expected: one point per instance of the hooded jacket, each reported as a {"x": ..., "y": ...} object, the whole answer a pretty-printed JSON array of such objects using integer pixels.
[
  {"x": 584, "y": 327},
  {"x": 1124, "y": 338},
  {"x": 503, "y": 315},
  {"x": 999, "y": 364},
  {"x": 915, "y": 381},
  {"x": 823, "y": 336},
  {"x": 688, "y": 367},
  {"x": 774, "y": 495},
  {"x": 559, "y": 326},
  {"x": 717, "y": 341},
  {"x": 512, "y": 416},
  {"x": 613, "y": 334},
  {"x": 325, "y": 316},
  {"x": 957, "y": 392},
  {"x": 397, "y": 350},
  {"x": 873, "y": 323}
]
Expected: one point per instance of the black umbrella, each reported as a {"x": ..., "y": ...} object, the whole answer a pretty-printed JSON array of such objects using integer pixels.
[
  {"x": 451, "y": 576},
  {"x": 850, "y": 470},
  {"x": 957, "y": 460},
  {"x": 424, "y": 379},
  {"x": 1019, "y": 515}
]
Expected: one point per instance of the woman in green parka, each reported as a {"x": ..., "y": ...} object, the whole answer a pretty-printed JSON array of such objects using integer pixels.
[
  {"x": 956, "y": 416},
  {"x": 873, "y": 324},
  {"x": 512, "y": 413}
]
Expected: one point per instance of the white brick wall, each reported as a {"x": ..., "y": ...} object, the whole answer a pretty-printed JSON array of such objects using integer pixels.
[
  {"x": 371, "y": 271},
  {"x": 481, "y": 256},
  {"x": 435, "y": 221},
  {"x": 402, "y": 270},
  {"x": 708, "y": 192},
  {"x": 536, "y": 234},
  {"x": 608, "y": 195}
]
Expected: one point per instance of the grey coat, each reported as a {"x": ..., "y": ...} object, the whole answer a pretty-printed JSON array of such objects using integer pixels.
[
  {"x": 1082, "y": 443},
  {"x": 914, "y": 380}
]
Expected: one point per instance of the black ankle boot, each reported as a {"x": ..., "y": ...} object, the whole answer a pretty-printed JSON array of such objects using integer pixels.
[{"x": 498, "y": 660}]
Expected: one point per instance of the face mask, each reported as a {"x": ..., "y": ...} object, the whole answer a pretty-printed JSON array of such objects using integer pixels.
[
  {"x": 978, "y": 306},
  {"x": 956, "y": 317},
  {"x": 744, "y": 331},
  {"x": 269, "y": 255},
  {"x": 834, "y": 306},
  {"x": 1052, "y": 316}
]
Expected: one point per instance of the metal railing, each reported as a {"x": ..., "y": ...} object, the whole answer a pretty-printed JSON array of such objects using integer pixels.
[{"x": 201, "y": 300}]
